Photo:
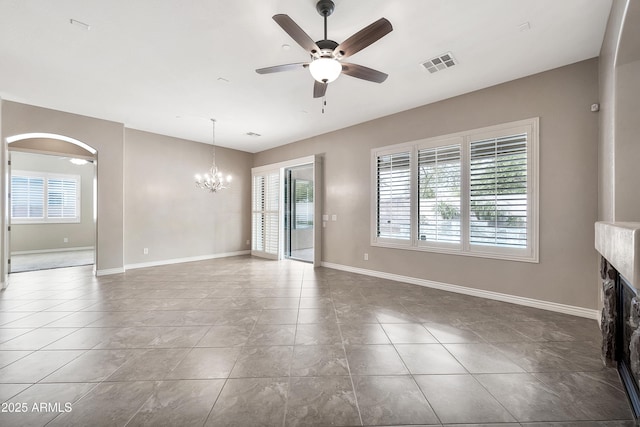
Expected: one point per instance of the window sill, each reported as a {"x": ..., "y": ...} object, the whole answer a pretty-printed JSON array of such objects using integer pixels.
[{"x": 41, "y": 222}]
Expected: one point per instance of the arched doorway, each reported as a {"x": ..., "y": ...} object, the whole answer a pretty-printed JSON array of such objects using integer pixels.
[{"x": 51, "y": 198}]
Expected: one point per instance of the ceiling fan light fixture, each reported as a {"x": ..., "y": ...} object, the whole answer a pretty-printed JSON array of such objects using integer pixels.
[{"x": 325, "y": 70}]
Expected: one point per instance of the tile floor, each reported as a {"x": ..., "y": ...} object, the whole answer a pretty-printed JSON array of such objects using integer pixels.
[{"x": 250, "y": 342}]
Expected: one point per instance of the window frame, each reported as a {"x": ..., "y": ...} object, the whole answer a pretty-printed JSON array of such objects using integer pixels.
[
  {"x": 465, "y": 248},
  {"x": 46, "y": 176}
]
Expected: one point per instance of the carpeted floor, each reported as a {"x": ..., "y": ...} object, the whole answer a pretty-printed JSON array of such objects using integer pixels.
[{"x": 45, "y": 261}]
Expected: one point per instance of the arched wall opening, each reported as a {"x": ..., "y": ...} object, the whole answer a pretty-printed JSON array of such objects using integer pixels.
[{"x": 42, "y": 152}]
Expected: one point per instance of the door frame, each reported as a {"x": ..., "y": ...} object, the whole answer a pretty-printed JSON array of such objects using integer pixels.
[
  {"x": 318, "y": 196},
  {"x": 4, "y": 271}
]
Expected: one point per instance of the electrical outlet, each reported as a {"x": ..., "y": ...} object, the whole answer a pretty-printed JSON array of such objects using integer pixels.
[
  {"x": 334, "y": 217},
  {"x": 366, "y": 257},
  {"x": 145, "y": 251},
  {"x": 66, "y": 240},
  {"x": 248, "y": 242}
]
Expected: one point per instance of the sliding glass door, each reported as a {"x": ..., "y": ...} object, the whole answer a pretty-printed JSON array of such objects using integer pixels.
[
  {"x": 285, "y": 204},
  {"x": 299, "y": 213}
]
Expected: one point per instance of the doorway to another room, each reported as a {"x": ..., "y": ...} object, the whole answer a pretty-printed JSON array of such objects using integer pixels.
[
  {"x": 51, "y": 207},
  {"x": 299, "y": 213},
  {"x": 286, "y": 201}
]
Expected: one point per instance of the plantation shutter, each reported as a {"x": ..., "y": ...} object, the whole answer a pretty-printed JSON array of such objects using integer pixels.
[
  {"x": 258, "y": 202},
  {"x": 265, "y": 207},
  {"x": 394, "y": 196},
  {"x": 62, "y": 198},
  {"x": 439, "y": 193},
  {"x": 498, "y": 191},
  {"x": 271, "y": 214},
  {"x": 27, "y": 197}
]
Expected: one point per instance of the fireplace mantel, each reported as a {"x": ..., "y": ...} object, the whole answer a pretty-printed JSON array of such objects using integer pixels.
[{"x": 619, "y": 243}]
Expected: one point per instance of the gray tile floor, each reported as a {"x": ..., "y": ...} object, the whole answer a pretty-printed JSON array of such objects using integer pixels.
[{"x": 249, "y": 342}]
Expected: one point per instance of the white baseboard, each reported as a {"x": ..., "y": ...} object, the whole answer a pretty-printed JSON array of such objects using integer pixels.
[
  {"x": 529, "y": 302},
  {"x": 46, "y": 251},
  {"x": 181, "y": 260}
]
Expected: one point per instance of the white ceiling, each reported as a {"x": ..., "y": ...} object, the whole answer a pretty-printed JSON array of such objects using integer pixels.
[{"x": 155, "y": 65}]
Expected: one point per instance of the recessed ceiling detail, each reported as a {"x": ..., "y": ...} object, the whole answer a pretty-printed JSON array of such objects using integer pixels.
[{"x": 440, "y": 62}]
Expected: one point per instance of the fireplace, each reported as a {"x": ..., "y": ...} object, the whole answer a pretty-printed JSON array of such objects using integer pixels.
[
  {"x": 628, "y": 337},
  {"x": 619, "y": 245}
]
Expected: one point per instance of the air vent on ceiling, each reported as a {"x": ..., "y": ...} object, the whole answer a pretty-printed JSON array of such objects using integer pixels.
[{"x": 441, "y": 62}]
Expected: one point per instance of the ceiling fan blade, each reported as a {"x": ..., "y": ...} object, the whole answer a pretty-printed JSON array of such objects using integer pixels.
[
  {"x": 364, "y": 73},
  {"x": 284, "y": 67},
  {"x": 296, "y": 33},
  {"x": 319, "y": 89},
  {"x": 364, "y": 38}
]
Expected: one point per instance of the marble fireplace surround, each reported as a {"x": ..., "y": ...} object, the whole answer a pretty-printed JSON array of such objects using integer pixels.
[{"x": 619, "y": 244}]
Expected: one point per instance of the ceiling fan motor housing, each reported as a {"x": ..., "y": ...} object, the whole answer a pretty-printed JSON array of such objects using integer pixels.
[
  {"x": 326, "y": 48},
  {"x": 325, "y": 7}
]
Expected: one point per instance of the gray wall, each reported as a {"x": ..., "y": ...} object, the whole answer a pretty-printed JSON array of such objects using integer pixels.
[
  {"x": 618, "y": 147},
  {"x": 34, "y": 237},
  {"x": 164, "y": 210},
  {"x": 568, "y": 185}
]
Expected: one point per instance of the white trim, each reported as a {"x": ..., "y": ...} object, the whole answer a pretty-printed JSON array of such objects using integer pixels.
[
  {"x": 513, "y": 299},
  {"x": 285, "y": 164},
  {"x": 46, "y": 251},
  {"x": 109, "y": 271},
  {"x": 15, "y": 138},
  {"x": 181, "y": 260}
]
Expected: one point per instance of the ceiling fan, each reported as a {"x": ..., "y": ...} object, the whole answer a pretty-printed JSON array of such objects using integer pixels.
[{"x": 326, "y": 55}]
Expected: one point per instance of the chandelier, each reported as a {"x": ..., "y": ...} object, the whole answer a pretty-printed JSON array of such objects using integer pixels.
[{"x": 213, "y": 180}]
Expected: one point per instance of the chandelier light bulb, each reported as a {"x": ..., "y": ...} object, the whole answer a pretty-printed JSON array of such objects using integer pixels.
[{"x": 325, "y": 70}]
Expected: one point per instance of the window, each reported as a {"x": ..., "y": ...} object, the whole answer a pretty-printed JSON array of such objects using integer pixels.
[
  {"x": 471, "y": 193},
  {"x": 498, "y": 191},
  {"x": 394, "y": 196},
  {"x": 42, "y": 197},
  {"x": 439, "y": 194},
  {"x": 303, "y": 204}
]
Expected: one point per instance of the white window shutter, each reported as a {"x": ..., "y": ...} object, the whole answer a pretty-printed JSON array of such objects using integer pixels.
[
  {"x": 439, "y": 174},
  {"x": 498, "y": 191},
  {"x": 265, "y": 227},
  {"x": 393, "y": 216}
]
